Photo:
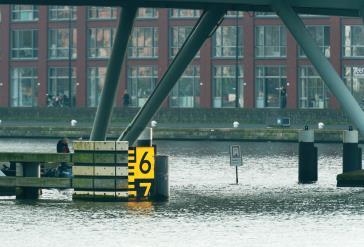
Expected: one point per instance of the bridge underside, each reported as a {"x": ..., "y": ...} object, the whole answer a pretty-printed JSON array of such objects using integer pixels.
[{"x": 214, "y": 11}]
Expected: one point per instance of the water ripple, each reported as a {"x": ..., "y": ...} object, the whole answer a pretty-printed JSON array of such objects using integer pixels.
[{"x": 267, "y": 208}]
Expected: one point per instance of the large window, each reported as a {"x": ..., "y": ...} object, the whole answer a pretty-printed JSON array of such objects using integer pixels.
[
  {"x": 265, "y": 14},
  {"x": 313, "y": 16},
  {"x": 225, "y": 42},
  {"x": 273, "y": 14},
  {"x": 24, "y": 87},
  {"x": 186, "y": 93},
  {"x": 178, "y": 36},
  {"x": 141, "y": 83},
  {"x": 24, "y": 44},
  {"x": 59, "y": 44},
  {"x": 102, "y": 13},
  {"x": 271, "y": 81},
  {"x": 95, "y": 83},
  {"x": 147, "y": 13},
  {"x": 61, "y": 13},
  {"x": 271, "y": 41},
  {"x": 321, "y": 35},
  {"x": 61, "y": 87},
  {"x": 353, "y": 41},
  {"x": 100, "y": 42},
  {"x": 24, "y": 13},
  {"x": 185, "y": 13},
  {"x": 311, "y": 89},
  {"x": 354, "y": 80},
  {"x": 224, "y": 86},
  {"x": 144, "y": 43},
  {"x": 232, "y": 14}
]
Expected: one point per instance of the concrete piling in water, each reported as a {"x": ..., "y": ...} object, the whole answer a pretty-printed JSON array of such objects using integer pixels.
[
  {"x": 307, "y": 166},
  {"x": 27, "y": 170},
  {"x": 161, "y": 184},
  {"x": 160, "y": 190},
  {"x": 352, "y": 154}
]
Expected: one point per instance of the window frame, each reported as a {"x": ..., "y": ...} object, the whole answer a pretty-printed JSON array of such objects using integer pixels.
[
  {"x": 112, "y": 11},
  {"x": 221, "y": 48},
  {"x": 261, "y": 78},
  {"x": 282, "y": 47},
  {"x": 58, "y": 48},
  {"x": 93, "y": 46},
  {"x": 135, "y": 100},
  {"x": 16, "y": 9},
  {"x": 195, "y": 77},
  {"x": 139, "y": 33},
  {"x": 16, "y": 49},
  {"x": 218, "y": 78},
  {"x": 56, "y": 10},
  {"x": 307, "y": 88},
  {"x": 16, "y": 77}
]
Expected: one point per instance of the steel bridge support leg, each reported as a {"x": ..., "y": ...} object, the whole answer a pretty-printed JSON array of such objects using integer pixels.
[
  {"x": 320, "y": 62},
  {"x": 109, "y": 92},
  {"x": 209, "y": 20}
]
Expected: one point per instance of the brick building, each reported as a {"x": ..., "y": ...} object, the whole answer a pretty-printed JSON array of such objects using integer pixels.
[{"x": 57, "y": 56}]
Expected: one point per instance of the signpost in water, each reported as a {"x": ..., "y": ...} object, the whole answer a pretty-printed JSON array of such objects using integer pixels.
[{"x": 235, "y": 159}]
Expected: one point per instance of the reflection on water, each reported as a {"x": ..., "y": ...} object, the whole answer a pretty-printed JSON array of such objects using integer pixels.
[{"x": 268, "y": 207}]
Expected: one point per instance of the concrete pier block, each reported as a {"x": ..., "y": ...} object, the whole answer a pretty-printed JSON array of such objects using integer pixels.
[
  {"x": 100, "y": 171},
  {"x": 352, "y": 154},
  {"x": 307, "y": 166},
  {"x": 27, "y": 170},
  {"x": 161, "y": 185}
]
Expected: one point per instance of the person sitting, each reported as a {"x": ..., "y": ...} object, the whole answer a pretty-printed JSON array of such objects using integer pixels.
[
  {"x": 62, "y": 146},
  {"x": 64, "y": 170}
]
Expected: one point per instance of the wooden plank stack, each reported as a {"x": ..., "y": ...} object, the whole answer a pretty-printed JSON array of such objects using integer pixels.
[{"x": 100, "y": 170}]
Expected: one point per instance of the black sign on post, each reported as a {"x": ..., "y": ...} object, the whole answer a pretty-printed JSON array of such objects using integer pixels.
[{"x": 235, "y": 159}]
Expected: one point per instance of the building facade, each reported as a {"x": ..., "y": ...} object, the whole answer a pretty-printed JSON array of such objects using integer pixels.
[{"x": 53, "y": 56}]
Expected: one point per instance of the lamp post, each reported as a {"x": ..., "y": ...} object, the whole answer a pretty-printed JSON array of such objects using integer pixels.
[
  {"x": 70, "y": 37},
  {"x": 237, "y": 61}
]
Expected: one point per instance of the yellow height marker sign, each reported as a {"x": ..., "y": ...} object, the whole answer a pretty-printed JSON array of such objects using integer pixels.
[{"x": 141, "y": 164}]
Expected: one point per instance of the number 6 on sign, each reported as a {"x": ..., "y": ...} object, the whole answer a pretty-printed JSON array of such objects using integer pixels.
[
  {"x": 145, "y": 166},
  {"x": 145, "y": 163}
]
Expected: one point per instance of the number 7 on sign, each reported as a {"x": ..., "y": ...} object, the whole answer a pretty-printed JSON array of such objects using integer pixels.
[{"x": 147, "y": 187}]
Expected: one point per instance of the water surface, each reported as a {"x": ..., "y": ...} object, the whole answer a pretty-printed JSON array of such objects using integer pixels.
[{"x": 267, "y": 208}]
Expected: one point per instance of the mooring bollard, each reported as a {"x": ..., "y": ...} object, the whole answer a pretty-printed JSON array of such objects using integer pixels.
[
  {"x": 352, "y": 154},
  {"x": 27, "y": 170},
  {"x": 307, "y": 166},
  {"x": 161, "y": 184}
]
